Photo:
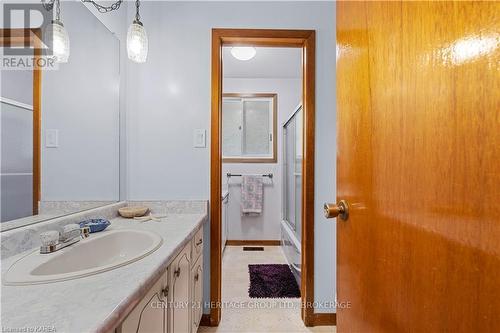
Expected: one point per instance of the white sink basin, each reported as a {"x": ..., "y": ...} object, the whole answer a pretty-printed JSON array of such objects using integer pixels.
[{"x": 98, "y": 253}]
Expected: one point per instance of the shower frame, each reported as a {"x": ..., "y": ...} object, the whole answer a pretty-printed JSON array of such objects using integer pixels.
[{"x": 30, "y": 38}]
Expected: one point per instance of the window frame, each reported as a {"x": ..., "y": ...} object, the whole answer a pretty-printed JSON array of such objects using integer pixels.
[{"x": 274, "y": 157}]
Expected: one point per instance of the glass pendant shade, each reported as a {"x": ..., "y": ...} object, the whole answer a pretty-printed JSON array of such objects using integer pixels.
[
  {"x": 137, "y": 42},
  {"x": 60, "y": 41}
]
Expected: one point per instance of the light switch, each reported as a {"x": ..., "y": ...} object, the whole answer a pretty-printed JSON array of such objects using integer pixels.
[
  {"x": 199, "y": 138},
  {"x": 51, "y": 138}
]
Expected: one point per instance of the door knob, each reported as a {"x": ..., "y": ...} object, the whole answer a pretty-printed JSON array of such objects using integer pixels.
[{"x": 341, "y": 209}]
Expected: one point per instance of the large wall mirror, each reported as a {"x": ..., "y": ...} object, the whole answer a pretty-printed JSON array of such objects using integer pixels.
[{"x": 60, "y": 128}]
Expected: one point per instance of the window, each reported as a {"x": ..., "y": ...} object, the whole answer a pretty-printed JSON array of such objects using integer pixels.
[{"x": 249, "y": 128}]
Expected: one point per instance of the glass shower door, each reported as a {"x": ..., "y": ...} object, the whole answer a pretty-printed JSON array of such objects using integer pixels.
[
  {"x": 16, "y": 161},
  {"x": 292, "y": 170}
]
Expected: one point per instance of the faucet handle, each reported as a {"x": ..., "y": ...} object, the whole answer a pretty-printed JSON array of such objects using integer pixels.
[
  {"x": 70, "y": 231},
  {"x": 85, "y": 232},
  {"x": 49, "y": 238}
]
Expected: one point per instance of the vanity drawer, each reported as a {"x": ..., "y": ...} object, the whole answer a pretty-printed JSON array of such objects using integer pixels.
[{"x": 197, "y": 245}]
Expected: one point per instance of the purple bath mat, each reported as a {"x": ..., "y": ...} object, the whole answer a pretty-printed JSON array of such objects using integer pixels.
[{"x": 272, "y": 281}]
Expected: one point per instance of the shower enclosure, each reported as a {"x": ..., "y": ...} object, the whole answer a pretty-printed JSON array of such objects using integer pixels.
[
  {"x": 291, "y": 227},
  {"x": 17, "y": 160}
]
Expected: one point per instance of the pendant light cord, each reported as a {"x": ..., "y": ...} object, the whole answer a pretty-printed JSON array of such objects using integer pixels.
[
  {"x": 49, "y": 4},
  {"x": 58, "y": 11},
  {"x": 104, "y": 9},
  {"x": 137, "y": 15}
]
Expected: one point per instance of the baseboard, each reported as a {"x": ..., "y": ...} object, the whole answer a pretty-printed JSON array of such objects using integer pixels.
[
  {"x": 318, "y": 319},
  {"x": 324, "y": 319},
  {"x": 205, "y": 320},
  {"x": 244, "y": 242}
]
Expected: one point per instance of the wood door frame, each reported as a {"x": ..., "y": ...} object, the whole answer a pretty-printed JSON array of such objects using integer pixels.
[
  {"x": 32, "y": 38},
  {"x": 274, "y": 158},
  {"x": 305, "y": 40}
]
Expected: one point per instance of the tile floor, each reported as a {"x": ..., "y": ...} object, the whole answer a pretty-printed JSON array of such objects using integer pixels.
[{"x": 244, "y": 314}]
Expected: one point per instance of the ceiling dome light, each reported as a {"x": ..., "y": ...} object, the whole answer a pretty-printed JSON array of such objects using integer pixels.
[
  {"x": 137, "y": 39},
  {"x": 243, "y": 53}
]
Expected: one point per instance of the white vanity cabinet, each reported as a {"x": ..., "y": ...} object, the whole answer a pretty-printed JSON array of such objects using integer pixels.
[
  {"x": 197, "y": 281},
  {"x": 149, "y": 315},
  {"x": 174, "y": 303},
  {"x": 180, "y": 307},
  {"x": 197, "y": 292}
]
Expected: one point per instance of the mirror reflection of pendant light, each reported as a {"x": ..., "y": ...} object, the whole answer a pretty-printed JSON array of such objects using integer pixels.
[
  {"x": 137, "y": 39},
  {"x": 60, "y": 38}
]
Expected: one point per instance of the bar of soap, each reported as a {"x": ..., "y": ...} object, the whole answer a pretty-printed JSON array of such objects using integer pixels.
[{"x": 131, "y": 212}]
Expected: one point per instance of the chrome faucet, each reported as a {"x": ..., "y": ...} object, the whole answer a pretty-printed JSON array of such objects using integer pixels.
[{"x": 53, "y": 241}]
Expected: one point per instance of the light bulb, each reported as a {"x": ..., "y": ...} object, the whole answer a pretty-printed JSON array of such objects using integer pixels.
[
  {"x": 60, "y": 41},
  {"x": 137, "y": 42},
  {"x": 243, "y": 52}
]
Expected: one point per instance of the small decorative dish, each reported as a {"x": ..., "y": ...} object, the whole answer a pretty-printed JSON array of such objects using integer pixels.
[
  {"x": 95, "y": 225},
  {"x": 131, "y": 212}
]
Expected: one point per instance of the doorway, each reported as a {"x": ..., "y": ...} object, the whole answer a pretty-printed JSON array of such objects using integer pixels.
[{"x": 305, "y": 41}]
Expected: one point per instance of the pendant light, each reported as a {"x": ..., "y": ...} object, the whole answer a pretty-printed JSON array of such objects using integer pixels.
[
  {"x": 137, "y": 39},
  {"x": 60, "y": 39}
]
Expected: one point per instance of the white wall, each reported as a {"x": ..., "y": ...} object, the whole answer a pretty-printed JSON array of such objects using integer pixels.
[
  {"x": 267, "y": 225},
  {"x": 169, "y": 96}
]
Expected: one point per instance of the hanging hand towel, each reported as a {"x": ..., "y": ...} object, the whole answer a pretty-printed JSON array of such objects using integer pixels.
[{"x": 251, "y": 195}]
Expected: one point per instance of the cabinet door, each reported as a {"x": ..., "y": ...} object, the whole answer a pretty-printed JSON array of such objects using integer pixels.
[
  {"x": 180, "y": 306},
  {"x": 197, "y": 293},
  {"x": 149, "y": 315}
]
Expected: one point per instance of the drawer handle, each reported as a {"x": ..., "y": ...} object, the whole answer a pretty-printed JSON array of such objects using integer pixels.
[
  {"x": 177, "y": 272},
  {"x": 199, "y": 242},
  {"x": 196, "y": 277},
  {"x": 164, "y": 291}
]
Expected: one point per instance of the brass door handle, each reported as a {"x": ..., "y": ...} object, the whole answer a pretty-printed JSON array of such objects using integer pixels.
[{"x": 341, "y": 210}]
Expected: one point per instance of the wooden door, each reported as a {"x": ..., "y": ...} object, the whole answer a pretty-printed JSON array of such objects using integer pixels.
[
  {"x": 180, "y": 307},
  {"x": 418, "y": 104}
]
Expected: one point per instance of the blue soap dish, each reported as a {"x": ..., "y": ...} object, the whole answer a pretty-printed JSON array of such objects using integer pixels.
[{"x": 95, "y": 225}]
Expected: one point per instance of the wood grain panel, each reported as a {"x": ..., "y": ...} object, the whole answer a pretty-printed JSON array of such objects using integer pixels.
[
  {"x": 324, "y": 319},
  {"x": 418, "y": 97},
  {"x": 37, "y": 122},
  {"x": 215, "y": 179}
]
